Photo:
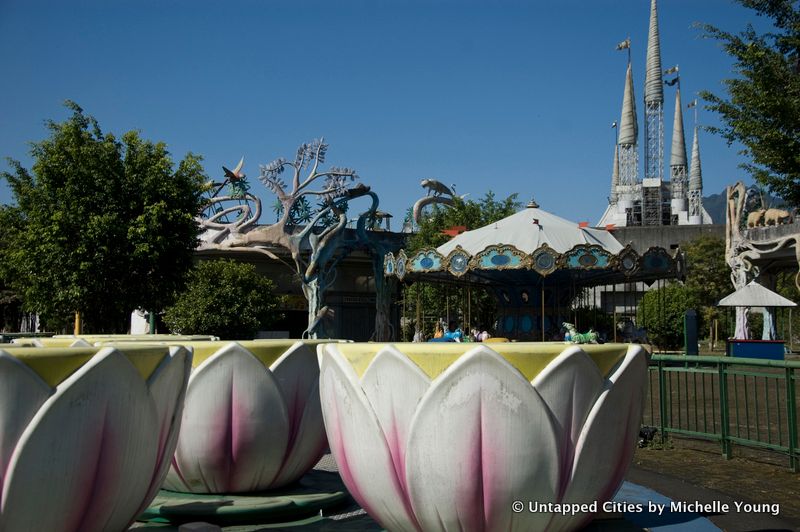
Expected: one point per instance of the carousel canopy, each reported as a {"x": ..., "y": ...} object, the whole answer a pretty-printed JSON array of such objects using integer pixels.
[
  {"x": 755, "y": 295},
  {"x": 528, "y": 230},
  {"x": 534, "y": 242}
]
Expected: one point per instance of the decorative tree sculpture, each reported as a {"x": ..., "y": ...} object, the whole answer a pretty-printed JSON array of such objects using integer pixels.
[{"x": 300, "y": 226}]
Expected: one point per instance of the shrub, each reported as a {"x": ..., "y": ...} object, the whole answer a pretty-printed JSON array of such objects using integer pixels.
[{"x": 225, "y": 298}]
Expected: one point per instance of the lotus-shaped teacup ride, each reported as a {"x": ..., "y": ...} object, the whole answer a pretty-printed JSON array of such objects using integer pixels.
[
  {"x": 476, "y": 437},
  {"x": 86, "y": 434},
  {"x": 252, "y": 418}
]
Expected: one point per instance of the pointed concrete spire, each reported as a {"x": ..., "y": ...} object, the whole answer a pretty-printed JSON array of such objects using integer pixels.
[
  {"x": 615, "y": 175},
  {"x": 696, "y": 172},
  {"x": 628, "y": 129},
  {"x": 653, "y": 86},
  {"x": 678, "y": 155}
]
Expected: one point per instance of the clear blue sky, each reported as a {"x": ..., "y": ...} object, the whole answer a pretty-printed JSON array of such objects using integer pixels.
[{"x": 500, "y": 95}]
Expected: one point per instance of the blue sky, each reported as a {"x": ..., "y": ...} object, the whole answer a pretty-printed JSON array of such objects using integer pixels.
[{"x": 501, "y": 95}]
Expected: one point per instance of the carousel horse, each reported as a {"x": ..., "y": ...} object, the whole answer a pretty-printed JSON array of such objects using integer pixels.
[
  {"x": 630, "y": 333},
  {"x": 579, "y": 338}
]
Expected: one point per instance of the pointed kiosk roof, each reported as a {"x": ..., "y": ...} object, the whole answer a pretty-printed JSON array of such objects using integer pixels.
[
  {"x": 678, "y": 155},
  {"x": 653, "y": 86},
  {"x": 695, "y": 172},
  {"x": 628, "y": 128},
  {"x": 527, "y": 230},
  {"x": 755, "y": 295}
]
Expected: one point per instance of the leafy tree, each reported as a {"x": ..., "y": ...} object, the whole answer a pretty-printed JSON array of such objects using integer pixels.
[
  {"x": 662, "y": 310},
  {"x": 469, "y": 213},
  {"x": 224, "y": 298},
  {"x": 708, "y": 276},
  {"x": 762, "y": 111},
  {"x": 438, "y": 301},
  {"x": 102, "y": 226}
]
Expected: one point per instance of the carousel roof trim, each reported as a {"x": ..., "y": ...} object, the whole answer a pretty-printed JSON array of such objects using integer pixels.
[{"x": 543, "y": 261}]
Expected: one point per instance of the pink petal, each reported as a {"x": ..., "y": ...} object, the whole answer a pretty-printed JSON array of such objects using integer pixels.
[
  {"x": 234, "y": 429},
  {"x": 570, "y": 386},
  {"x": 606, "y": 444},
  {"x": 87, "y": 458},
  {"x": 482, "y": 438},
  {"x": 296, "y": 373},
  {"x": 358, "y": 444},
  {"x": 22, "y": 393},
  {"x": 167, "y": 386},
  {"x": 394, "y": 386}
]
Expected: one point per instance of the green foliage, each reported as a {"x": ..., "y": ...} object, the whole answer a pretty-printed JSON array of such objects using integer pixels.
[
  {"x": 101, "y": 225},
  {"x": 225, "y": 298},
  {"x": 662, "y": 311},
  {"x": 708, "y": 276},
  {"x": 471, "y": 214},
  {"x": 437, "y": 301},
  {"x": 763, "y": 109}
]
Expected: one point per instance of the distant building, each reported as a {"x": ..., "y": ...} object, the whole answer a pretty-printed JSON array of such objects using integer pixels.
[{"x": 652, "y": 201}]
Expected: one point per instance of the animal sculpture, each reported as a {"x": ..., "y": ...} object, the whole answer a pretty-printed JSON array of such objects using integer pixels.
[
  {"x": 436, "y": 187},
  {"x": 236, "y": 174},
  {"x": 580, "y": 338},
  {"x": 756, "y": 218},
  {"x": 777, "y": 217}
]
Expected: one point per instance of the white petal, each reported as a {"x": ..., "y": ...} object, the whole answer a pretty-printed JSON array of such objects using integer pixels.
[
  {"x": 87, "y": 458},
  {"x": 22, "y": 393},
  {"x": 357, "y": 443},
  {"x": 394, "y": 386},
  {"x": 605, "y": 447},
  {"x": 570, "y": 385},
  {"x": 482, "y": 438},
  {"x": 234, "y": 428},
  {"x": 297, "y": 375},
  {"x": 167, "y": 386}
]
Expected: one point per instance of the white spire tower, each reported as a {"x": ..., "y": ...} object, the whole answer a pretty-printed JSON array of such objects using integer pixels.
[
  {"x": 629, "y": 187},
  {"x": 654, "y": 124},
  {"x": 677, "y": 163},
  {"x": 695, "y": 185}
]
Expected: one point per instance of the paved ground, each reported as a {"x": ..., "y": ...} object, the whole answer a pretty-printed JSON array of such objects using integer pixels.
[
  {"x": 684, "y": 470},
  {"x": 690, "y": 470}
]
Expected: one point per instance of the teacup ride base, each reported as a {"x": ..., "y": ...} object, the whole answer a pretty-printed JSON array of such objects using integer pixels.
[{"x": 315, "y": 493}]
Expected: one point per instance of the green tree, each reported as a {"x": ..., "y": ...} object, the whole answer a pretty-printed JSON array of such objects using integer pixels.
[
  {"x": 470, "y": 214},
  {"x": 224, "y": 298},
  {"x": 662, "y": 310},
  {"x": 436, "y": 300},
  {"x": 103, "y": 226},
  {"x": 708, "y": 277},
  {"x": 762, "y": 110}
]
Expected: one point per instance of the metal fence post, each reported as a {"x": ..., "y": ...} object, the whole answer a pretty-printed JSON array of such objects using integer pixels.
[
  {"x": 791, "y": 412},
  {"x": 723, "y": 410},
  {"x": 662, "y": 402}
]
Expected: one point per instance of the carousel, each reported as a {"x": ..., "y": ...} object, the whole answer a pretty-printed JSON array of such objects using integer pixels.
[{"x": 540, "y": 268}]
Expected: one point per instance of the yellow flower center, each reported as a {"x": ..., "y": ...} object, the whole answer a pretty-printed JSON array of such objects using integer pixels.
[
  {"x": 530, "y": 358},
  {"x": 55, "y": 364}
]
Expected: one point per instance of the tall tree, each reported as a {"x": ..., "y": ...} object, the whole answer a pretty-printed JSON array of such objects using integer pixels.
[
  {"x": 762, "y": 110},
  {"x": 104, "y": 225}
]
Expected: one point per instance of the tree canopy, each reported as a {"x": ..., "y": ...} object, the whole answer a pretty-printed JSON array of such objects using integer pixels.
[
  {"x": 434, "y": 301},
  {"x": 224, "y": 298},
  {"x": 100, "y": 225},
  {"x": 762, "y": 109},
  {"x": 470, "y": 214}
]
